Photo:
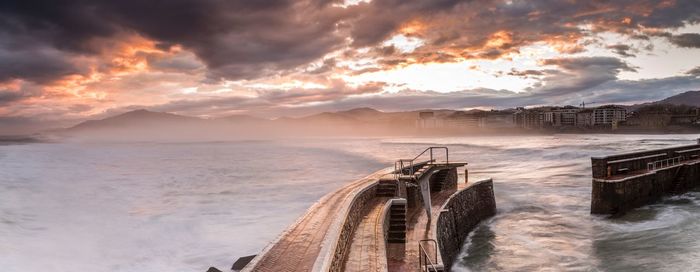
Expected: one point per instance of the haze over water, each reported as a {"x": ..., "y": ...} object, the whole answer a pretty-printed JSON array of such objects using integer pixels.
[{"x": 188, "y": 206}]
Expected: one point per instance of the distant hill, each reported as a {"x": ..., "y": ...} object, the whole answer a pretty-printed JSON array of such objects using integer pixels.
[
  {"x": 241, "y": 118},
  {"x": 690, "y": 98},
  {"x": 134, "y": 119}
]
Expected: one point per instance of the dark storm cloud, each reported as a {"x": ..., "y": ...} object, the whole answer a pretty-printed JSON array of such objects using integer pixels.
[
  {"x": 236, "y": 39},
  {"x": 689, "y": 40},
  {"x": 24, "y": 57},
  {"x": 252, "y": 39},
  {"x": 9, "y": 96}
]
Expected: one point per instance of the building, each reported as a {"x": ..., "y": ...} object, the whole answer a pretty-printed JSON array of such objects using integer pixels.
[
  {"x": 609, "y": 115},
  {"x": 560, "y": 116},
  {"x": 427, "y": 119},
  {"x": 497, "y": 120},
  {"x": 584, "y": 118},
  {"x": 461, "y": 119},
  {"x": 528, "y": 118}
]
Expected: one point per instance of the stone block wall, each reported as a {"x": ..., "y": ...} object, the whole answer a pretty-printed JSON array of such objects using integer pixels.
[
  {"x": 352, "y": 219},
  {"x": 460, "y": 215},
  {"x": 451, "y": 179}
]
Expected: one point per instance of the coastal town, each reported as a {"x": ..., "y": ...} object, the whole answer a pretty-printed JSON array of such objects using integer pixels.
[{"x": 566, "y": 118}]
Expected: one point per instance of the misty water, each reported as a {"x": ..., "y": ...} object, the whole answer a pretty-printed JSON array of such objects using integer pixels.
[{"x": 188, "y": 206}]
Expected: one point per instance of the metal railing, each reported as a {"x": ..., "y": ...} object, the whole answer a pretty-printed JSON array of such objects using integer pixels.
[
  {"x": 425, "y": 263},
  {"x": 402, "y": 164},
  {"x": 663, "y": 163}
]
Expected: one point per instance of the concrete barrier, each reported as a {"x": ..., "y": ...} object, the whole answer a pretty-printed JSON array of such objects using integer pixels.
[
  {"x": 460, "y": 214},
  {"x": 622, "y": 195}
]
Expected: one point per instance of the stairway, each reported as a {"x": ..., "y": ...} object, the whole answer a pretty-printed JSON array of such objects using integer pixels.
[
  {"x": 437, "y": 181},
  {"x": 678, "y": 180},
  {"x": 386, "y": 188},
  {"x": 397, "y": 223}
]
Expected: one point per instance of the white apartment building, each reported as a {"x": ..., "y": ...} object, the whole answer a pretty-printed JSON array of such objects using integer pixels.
[{"x": 609, "y": 115}]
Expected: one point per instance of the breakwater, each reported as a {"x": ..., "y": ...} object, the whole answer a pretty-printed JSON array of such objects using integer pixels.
[
  {"x": 380, "y": 223},
  {"x": 626, "y": 181}
]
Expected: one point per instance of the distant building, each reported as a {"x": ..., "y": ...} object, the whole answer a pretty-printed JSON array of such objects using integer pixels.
[
  {"x": 497, "y": 120},
  {"x": 461, "y": 119},
  {"x": 584, "y": 118},
  {"x": 528, "y": 118},
  {"x": 560, "y": 116},
  {"x": 426, "y": 119},
  {"x": 609, "y": 115}
]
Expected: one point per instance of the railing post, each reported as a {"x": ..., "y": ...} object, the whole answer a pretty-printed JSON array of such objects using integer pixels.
[{"x": 447, "y": 156}]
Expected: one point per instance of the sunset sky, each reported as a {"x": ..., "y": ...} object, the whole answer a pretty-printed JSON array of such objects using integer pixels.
[{"x": 65, "y": 61}]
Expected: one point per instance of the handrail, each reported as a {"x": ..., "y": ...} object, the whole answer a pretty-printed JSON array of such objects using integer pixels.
[
  {"x": 401, "y": 164},
  {"x": 660, "y": 163},
  {"x": 424, "y": 254}
]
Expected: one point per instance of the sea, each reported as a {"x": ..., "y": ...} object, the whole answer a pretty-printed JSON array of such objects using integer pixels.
[{"x": 186, "y": 206}]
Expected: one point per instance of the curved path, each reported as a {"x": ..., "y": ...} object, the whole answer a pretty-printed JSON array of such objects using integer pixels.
[
  {"x": 302, "y": 247},
  {"x": 367, "y": 249}
]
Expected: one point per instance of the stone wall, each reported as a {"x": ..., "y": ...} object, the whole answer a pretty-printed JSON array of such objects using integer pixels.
[
  {"x": 451, "y": 179},
  {"x": 460, "y": 215},
  {"x": 352, "y": 219},
  {"x": 619, "y": 196}
]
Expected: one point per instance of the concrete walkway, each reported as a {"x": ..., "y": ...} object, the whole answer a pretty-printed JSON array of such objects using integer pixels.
[
  {"x": 367, "y": 250},
  {"x": 299, "y": 247}
]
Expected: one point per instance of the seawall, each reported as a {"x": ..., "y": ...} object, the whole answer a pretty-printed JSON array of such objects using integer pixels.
[
  {"x": 460, "y": 215},
  {"x": 627, "y": 181}
]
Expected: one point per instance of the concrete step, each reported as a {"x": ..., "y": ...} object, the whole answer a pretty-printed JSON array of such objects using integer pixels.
[
  {"x": 397, "y": 228},
  {"x": 397, "y": 221},
  {"x": 436, "y": 268},
  {"x": 397, "y": 235},
  {"x": 396, "y": 240}
]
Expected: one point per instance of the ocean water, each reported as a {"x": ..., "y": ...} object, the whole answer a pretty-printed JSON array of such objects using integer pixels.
[{"x": 188, "y": 206}]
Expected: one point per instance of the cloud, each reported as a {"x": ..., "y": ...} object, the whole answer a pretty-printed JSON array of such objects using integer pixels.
[
  {"x": 253, "y": 39},
  {"x": 34, "y": 63},
  {"x": 689, "y": 40},
  {"x": 235, "y": 39},
  {"x": 694, "y": 72},
  {"x": 9, "y": 96},
  {"x": 579, "y": 74},
  {"x": 621, "y": 49}
]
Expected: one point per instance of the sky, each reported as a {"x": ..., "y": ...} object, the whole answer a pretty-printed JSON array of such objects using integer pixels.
[{"x": 62, "y": 62}]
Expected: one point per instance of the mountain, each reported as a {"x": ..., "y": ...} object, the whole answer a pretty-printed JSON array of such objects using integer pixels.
[
  {"x": 134, "y": 119},
  {"x": 690, "y": 98},
  {"x": 241, "y": 118}
]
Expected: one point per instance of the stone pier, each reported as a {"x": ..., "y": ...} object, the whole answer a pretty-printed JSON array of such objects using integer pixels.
[
  {"x": 377, "y": 223},
  {"x": 626, "y": 181}
]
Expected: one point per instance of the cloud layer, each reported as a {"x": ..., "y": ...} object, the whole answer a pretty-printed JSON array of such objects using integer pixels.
[{"x": 67, "y": 60}]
